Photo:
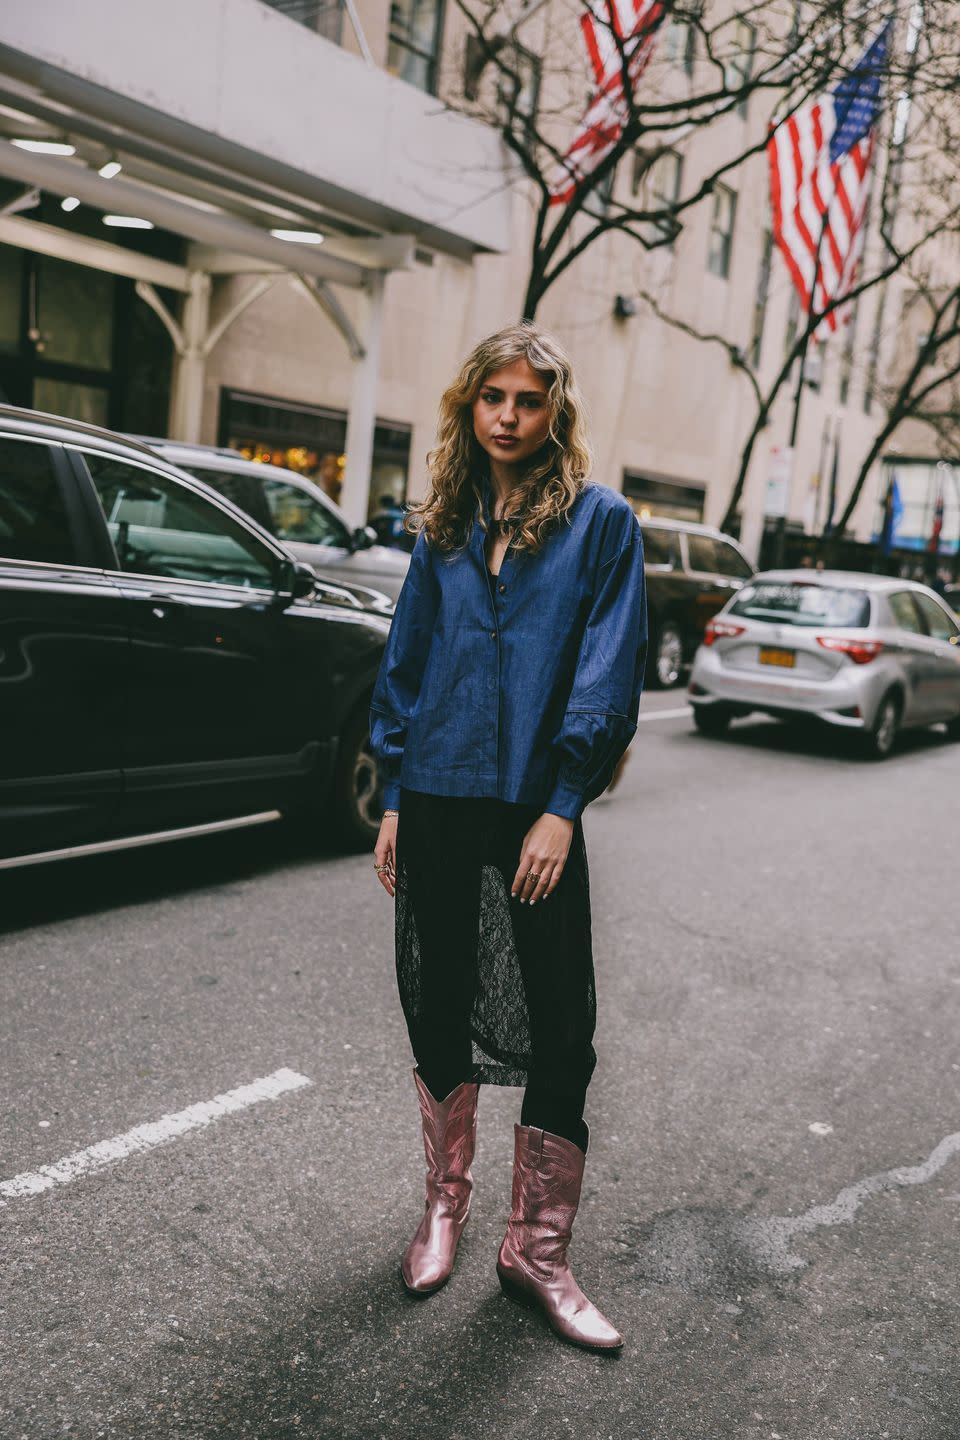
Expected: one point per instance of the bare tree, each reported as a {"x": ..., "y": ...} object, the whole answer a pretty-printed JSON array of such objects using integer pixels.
[
  {"x": 917, "y": 174},
  {"x": 927, "y": 391},
  {"x": 781, "y": 52}
]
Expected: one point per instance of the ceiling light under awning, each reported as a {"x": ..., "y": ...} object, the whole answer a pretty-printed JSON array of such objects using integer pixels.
[
  {"x": 45, "y": 147},
  {"x": 112, "y": 167},
  {"x": 299, "y": 237},
  {"x": 128, "y": 222},
  {"x": 69, "y": 202}
]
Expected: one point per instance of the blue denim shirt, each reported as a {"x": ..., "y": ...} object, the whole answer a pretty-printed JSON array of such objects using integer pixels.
[{"x": 526, "y": 685}]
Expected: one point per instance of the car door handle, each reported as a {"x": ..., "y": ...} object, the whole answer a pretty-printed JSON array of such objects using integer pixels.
[{"x": 163, "y": 608}]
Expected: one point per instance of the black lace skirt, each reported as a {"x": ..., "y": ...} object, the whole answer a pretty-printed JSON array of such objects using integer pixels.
[{"x": 506, "y": 988}]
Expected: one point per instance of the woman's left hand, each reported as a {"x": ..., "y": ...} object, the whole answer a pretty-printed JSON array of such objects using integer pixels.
[{"x": 545, "y": 849}]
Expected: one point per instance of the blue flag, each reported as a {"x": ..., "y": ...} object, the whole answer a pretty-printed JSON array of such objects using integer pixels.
[{"x": 892, "y": 515}]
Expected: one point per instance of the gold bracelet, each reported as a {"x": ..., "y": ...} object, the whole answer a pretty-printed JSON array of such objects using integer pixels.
[{"x": 391, "y": 812}]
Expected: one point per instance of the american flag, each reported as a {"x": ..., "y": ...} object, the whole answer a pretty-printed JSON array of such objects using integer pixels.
[
  {"x": 820, "y": 185},
  {"x": 617, "y": 33}
]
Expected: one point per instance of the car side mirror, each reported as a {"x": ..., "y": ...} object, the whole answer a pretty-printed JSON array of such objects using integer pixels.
[
  {"x": 295, "y": 581},
  {"x": 362, "y": 537}
]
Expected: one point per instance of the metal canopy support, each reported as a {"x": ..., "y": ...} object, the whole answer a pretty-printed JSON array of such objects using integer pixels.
[
  {"x": 365, "y": 51},
  {"x": 83, "y": 250},
  {"x": 28, "y": 199},
  {"x": 66, "y": 177},
  {"x": 329, "y": 303},
  {"x": 186, "y": 392},
  {"x": 354, "y": 500},
  {"x": 234, "y": 245},
  {"x": 258, "y": 288},
  {"x": 193, "y": 342}
]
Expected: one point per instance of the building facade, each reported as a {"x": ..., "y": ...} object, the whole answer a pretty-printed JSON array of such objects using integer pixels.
[{"x": 328, "y": 118}]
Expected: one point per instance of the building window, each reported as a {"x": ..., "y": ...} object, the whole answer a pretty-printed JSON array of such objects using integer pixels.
[
  {"x": 760, "y": 299},
  {"x": 603, "y": 191},
  {"x": 652, "y": 496},
  {"x": 738, "y": 66},
  {"x": 414, "y": 48},
  {"x": 661, "y": 183},
  {"x": 518, "y": 86},
  {"x": 323, "y": 16},
  {"x": 873, "y": 358},
  {"x": 721, "y": 230},
  {"x": 793, "y": 322},
  {"x": 846, "y": 358},
  {"x": 680, "y": 44},
  {"x": 814, "y": 364}
]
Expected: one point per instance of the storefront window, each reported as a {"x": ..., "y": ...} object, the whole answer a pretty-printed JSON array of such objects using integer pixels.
[
  {"x": 10, "y": 287},
  {"x": 79, "y": 342},
  {"x": 665, "y": 499},
  {"x": 74, "y": 313},
  {"x": 311, "y": 440},
  {"x": 89, "y": 403}
]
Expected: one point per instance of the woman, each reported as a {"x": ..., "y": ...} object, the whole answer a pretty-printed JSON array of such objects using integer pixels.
[{"x": 508, "y": 690}]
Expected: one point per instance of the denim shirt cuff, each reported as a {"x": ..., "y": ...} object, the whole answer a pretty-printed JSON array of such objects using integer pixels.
[
  {"x": 391, "y": 794},
  {"x": 565, "y": 800}
]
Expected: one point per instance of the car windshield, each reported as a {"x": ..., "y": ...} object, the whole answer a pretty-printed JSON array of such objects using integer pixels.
[
  {"x": 296, "y": 515},
  {"x": 800, "y": 604}
]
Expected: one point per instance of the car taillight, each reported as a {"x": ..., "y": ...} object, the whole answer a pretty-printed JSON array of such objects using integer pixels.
[
  {"x": 721, "y": 630},
  {"x": 861, "y": 652}
]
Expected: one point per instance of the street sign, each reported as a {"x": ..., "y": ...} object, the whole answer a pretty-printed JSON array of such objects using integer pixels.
[{"x": 779, "y": 476}]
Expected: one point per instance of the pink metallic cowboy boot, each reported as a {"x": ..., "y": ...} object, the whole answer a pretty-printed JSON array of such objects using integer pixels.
[
  {"x": 449, "y": 1137},
  {"x": 532, "y": 1264}
]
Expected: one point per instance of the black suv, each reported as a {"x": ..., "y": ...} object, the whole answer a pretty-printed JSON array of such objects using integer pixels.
[
  {"x": 165, "y": 664},
  {"x": 692, "y": 571}
]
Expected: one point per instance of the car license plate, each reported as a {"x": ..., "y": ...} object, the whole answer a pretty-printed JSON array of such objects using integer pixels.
[{"x": 770, "y": 655}]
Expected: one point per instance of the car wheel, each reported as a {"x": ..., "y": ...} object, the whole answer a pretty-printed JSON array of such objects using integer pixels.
[
  {"x": 668, "y": 656},
  {"x": 882, "y": 735},
  {"x": 356, "y": 792},
  {"x": 711, "y": 719}
]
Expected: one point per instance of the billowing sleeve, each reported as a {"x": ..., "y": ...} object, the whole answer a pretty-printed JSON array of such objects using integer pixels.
[
  {"x": 601, "y": 714},
  {"x": 401, "y": 668}
]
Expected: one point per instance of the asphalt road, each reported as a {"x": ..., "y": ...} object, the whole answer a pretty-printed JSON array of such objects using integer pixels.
[{"x": 772, "y": 1196}]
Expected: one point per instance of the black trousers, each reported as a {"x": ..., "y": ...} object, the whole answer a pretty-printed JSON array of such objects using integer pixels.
[{"x": 492, "y": 989}]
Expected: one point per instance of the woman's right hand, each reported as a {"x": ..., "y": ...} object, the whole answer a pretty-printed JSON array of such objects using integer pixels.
[{"x": 385, "y": 853}]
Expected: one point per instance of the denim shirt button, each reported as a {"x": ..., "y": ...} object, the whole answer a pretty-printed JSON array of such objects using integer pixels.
[
  {"x": 502, "y": 589},
  {"x": 493, "y": 634}
]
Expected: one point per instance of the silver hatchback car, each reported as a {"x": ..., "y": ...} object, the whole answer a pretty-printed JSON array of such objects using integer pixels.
[{"x": 863, "y": 652}]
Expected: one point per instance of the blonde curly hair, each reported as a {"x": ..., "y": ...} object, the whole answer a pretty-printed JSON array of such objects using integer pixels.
[{"x": 554, "y": 476}]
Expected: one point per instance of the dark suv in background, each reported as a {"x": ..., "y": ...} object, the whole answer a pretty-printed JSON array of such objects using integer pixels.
[
  {"x": 165, "y": 663},
  {"x": 692, "y": 571}
]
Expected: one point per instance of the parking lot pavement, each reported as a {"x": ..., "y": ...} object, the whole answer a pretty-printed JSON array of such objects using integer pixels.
[{"x": 201, "y": 1050}]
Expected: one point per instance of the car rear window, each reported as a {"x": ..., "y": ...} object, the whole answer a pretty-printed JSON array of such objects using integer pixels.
[{"x": 804, "y": 605}]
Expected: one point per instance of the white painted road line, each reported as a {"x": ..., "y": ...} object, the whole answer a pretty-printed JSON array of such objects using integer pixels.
[
  {"x": 770, "y": 1239},
  {"x": 145, "y": 1137},
  {"x": 667, "y": 714}
]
